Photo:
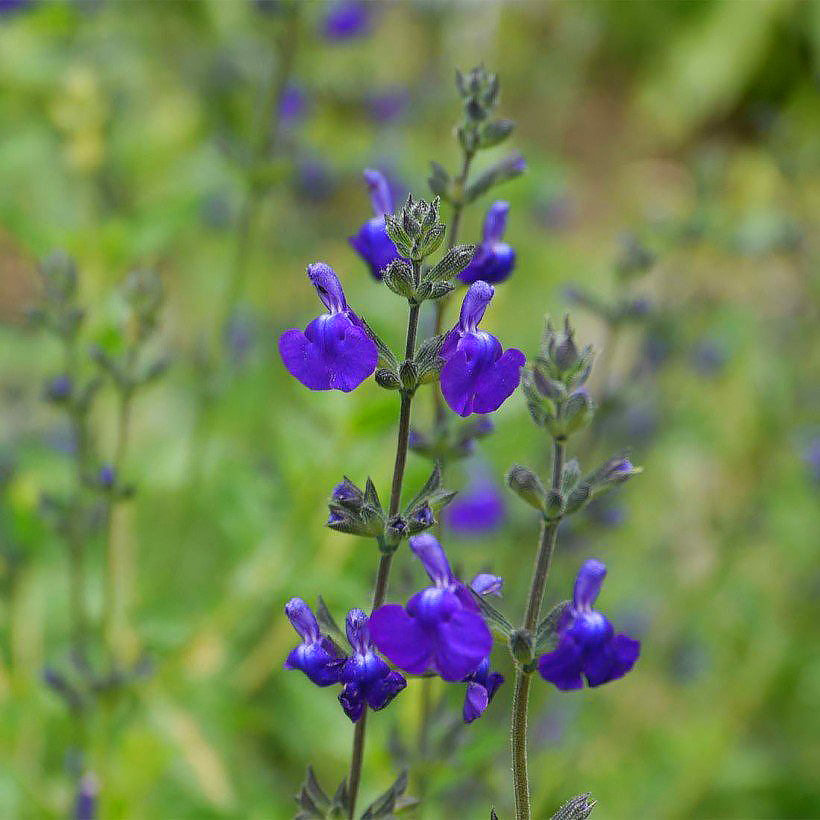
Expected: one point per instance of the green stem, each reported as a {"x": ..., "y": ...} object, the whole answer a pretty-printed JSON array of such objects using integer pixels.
[
  {"x": 263, "y": 141},
  {"x": 383, "y": 574},
  {"x": 452, "y": 237},
  {"x": 521, "y": 693},
  {"x": 109, "y": 556}
]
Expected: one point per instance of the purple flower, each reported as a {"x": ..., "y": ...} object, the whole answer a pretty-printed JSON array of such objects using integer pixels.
[
  {"x": 493, "y": 259},
  {"x": 368, "y": 680},
  {"x": 586, "y": 641},
  {"x": 107, "y": 476},
  {"x": 478, "y": 509},
  {"x": 58, "y": 389},
  {"x": 481, "y": 686},
  {"x": 334, "y": 352},
  {"x": 293, "y": 105},
  {"x": 317, "y": 656},
  {"x": 385, "y": 107},
  {"x": 477, "y": 377},
  {"x": 372, "y": 242},
  {"x": 441, "y": 629},
  {"x": 85, "y": 803},
  {"x": 347, "y": 19}
]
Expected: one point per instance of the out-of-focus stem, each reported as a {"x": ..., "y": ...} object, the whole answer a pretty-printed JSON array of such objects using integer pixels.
[{"x": 521, "y": 693}]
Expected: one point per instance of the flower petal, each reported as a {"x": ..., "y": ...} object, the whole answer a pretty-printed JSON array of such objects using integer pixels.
[
  {"x": 476, "y": 700},
  {"x": 353, "y": 701},
  {"x": 383, "y": 690},
  {"x": 462, "y": 643},
  {"x": 495, "y": 386},
  {"x": 303, "y": 361},
  {"x": 612, "y": 661},
  {"x": 379, "y": 192},
  {"x": 588, "y": 584},
  {"x": 487, "y": 584},
  {"x": 431, "y": 554},
  {"x": 495, "y": 223},
  {"x": 562, "y": 667},
  {"x": 399, "y": 638}
]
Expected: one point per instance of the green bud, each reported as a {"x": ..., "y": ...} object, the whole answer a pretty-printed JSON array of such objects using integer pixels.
[
  {"x": 527, "y": 486},
  {"x": 409, "y": 375},
  {"x": 554, "y": 507},
  {"x": 578, "y": 498},
  {"x": 578, "y": 411},
  {"x": 388, "y": 379},
  {"x": 398, "y": 276},
  {"x": 521, "y": 646}
]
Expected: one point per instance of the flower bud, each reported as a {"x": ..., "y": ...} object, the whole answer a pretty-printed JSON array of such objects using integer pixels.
[
  {"x": 387, "y": 379},
  {"x": 578, "y": 411},
  {"x": 521, "y": 646},
  {"x": 409, "y": 374},
  {"x": 527, "y": 486},
  {"x": 554, "y": 507}
]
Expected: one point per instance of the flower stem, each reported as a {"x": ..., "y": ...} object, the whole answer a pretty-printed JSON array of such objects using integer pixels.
[
  {"x": 521, "y": 693},
  {"x": 110, "y": 563},
  {"x": 382, "y": 577},
  {"x": 452, "y": 237},
  {"x": 263, "y": 140}
]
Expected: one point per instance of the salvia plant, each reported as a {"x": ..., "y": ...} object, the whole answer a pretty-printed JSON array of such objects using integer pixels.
[
  {"x": 448, "y": 627},
  {"x": 94, "y": 673}
]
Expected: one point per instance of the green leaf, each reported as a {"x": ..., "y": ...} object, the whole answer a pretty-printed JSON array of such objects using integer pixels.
[
  {"x": 547, "y": 628},
  {"x": 578, "y": 808},
  {"x": 497, "y": 620},
  {"x": 386, "y": 358}
]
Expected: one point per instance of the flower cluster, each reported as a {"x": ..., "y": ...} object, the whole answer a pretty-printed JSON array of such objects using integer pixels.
[
  {"x": 587, "y": 644},
  {"x": 367, "y": 680},
  {"x": 440, "y": 632}
]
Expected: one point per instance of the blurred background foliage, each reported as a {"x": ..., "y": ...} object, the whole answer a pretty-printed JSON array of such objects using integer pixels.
[{"x": 131, "y": 137}]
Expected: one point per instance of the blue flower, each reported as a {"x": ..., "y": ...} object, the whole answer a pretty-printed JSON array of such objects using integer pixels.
[
  {"x": 368, "y": 680},
  {"x": 440, "y": 630},
  {"x": 493, "y": 260},
  {"x": 347, "y": 19},
  {"x": 587, "y": 644},
  {"x": 481, "y": 687},
  {"x": 372, "y": 242},
  {"x": 335, "y": 351},
  {"x": 478, "y": 509},
  {"x": 477, "y": 376},
  {"x": 317, "y": 656}
]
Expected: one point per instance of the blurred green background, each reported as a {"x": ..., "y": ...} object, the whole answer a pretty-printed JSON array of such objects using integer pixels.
[{"x": 129, "y": 138}]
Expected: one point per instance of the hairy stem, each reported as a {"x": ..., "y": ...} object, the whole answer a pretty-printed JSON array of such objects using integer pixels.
[
  {"x": 383, "y": 574},
  {"x": 521, "y": 693},
  {"x": 452, "y": 238}
]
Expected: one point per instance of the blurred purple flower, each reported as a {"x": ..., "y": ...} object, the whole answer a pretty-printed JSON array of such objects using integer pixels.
[
  {"x": 317, "y": 656},
  {"x": 385, "y": 107},
  {"x": 709, "y": 358},
  {"x": 477, "y": 376},
  {"x": 312, "y": 180},
  {"x": 293, "y": 105},
  {"x": 586, "y": 641},
  {"x": 372, "y": 242},
  {"x": 493, "y": 260},
  {"x": 440, "y": 630},
  {"x": 811, "y": 457},
  {"x": 481, "y": 687},
  {"x": 478, "y": 509},
  {"x": 368, "y": 680},
  {"x": 239, "y": 336},
  {"x": 85, "y": 805},
  {"x": 347, "y": 19},
  {"x": 334, "y": 352}
]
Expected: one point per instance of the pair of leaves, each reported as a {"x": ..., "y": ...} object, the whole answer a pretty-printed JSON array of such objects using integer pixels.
[{"x": 315, "y": 804}]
